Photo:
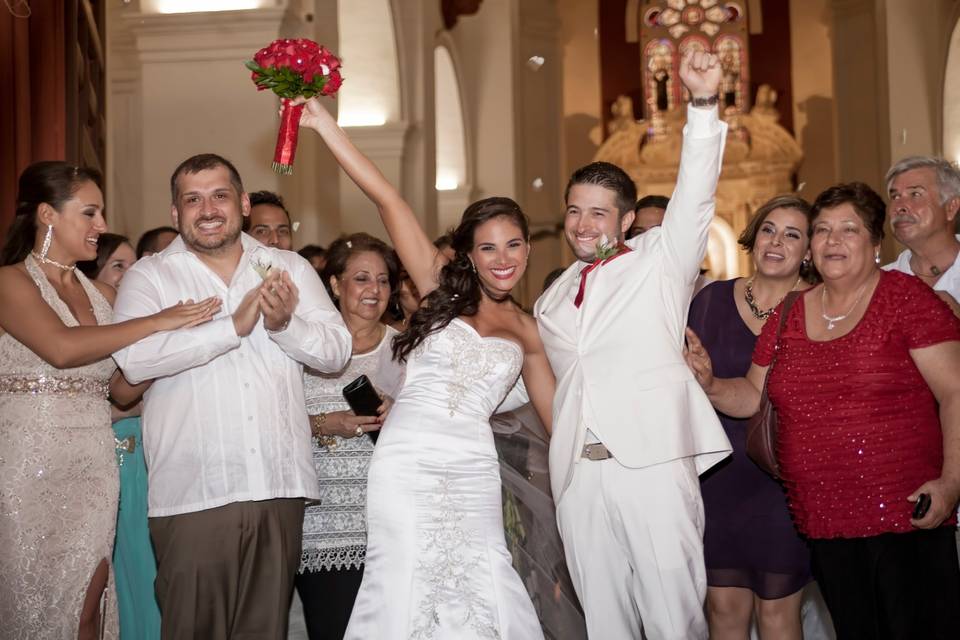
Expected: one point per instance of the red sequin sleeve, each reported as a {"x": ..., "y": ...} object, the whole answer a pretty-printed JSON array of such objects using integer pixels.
[
  {"x": 924, "y": 319},
  {"x": 767, "y": 340}
]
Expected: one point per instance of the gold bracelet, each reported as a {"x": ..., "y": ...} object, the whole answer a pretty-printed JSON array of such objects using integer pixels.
[
  {"x": 330, "y": 442},
  {"x": 316, "y": 428},
  {"x": 316, "y": 424}
]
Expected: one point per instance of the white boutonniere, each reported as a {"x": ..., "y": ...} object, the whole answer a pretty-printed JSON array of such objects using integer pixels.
[
  {"x": 607, "y": 248},
  {"x": 260, "y": 260}
]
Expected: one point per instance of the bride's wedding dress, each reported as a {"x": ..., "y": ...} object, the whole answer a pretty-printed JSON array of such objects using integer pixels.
[{"x": 437, "y": 565}]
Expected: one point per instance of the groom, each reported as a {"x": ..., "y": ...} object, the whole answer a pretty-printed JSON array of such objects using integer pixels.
[{"x": 631, "y": 428}]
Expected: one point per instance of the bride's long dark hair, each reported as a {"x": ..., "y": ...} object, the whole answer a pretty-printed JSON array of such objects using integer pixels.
[{"x": 459, "y": 289}]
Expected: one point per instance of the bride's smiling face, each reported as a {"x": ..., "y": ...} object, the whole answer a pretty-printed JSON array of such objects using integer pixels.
[{"x": 499, "y": 253}]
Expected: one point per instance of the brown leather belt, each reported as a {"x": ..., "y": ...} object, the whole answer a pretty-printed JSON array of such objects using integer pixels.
[{"x": 596, "y": 451}]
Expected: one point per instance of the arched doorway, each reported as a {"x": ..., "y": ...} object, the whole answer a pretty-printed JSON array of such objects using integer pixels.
[
  {"x": 452, "y": 183},
  {"x": 951, "y": 99}
]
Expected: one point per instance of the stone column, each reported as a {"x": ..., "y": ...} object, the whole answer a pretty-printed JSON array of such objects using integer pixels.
[{"x": 196, "y": 96}]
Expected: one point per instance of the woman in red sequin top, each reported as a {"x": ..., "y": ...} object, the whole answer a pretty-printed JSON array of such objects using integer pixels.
[{"x": 868, "y": 399}]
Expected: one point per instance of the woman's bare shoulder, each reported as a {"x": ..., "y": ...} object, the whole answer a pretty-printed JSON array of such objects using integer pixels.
[
  {"x": 529, "y": 333},
  {"x": 108, "y": 292}
]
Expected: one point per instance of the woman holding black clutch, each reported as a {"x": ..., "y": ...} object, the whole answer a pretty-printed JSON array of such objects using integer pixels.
[{"x": 361, "y": 275}]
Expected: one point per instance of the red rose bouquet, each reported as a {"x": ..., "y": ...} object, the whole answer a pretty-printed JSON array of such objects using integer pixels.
[{"x": 292, "y": 68}]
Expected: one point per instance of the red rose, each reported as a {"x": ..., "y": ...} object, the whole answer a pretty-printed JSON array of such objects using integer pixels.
[{"x": 333, "y": 84}]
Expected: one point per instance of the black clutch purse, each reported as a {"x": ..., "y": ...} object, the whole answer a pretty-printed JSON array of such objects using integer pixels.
[{"x": 363, "y": 400}]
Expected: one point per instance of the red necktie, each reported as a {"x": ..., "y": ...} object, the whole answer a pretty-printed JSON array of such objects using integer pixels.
[{"x": 586, "y": 271}]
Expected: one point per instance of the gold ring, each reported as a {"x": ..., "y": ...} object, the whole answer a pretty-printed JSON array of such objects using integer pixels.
[{"x": 359, "y": 431}]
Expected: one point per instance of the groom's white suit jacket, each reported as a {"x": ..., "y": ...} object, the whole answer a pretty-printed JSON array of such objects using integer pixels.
[{"x": 618, "y": 357}]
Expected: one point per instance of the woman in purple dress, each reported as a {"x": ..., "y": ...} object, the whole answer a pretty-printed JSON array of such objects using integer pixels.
[{"x": 756, "y": 561}]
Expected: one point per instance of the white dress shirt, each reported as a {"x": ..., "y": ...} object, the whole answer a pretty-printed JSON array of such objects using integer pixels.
[
  {"x": 948, "y": 281},
  {"x": 225, "y": 419}
]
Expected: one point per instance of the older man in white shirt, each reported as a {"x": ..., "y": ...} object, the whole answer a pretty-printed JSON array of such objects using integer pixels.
[
  {"x": 631, "y": 427},
  {"x": 226, "y": 434},
  {"x": 924, "y": 200}
]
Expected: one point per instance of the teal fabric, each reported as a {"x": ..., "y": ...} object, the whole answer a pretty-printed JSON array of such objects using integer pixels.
[{"x": 134, "y": 566}]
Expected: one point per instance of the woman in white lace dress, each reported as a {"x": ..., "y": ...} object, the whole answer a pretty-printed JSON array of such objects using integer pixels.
[
  {"x": 58, "y": 470},
  {"x": 361, "y": 275}
]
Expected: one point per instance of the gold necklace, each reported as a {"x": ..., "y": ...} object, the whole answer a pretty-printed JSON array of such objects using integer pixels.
[{"x": 758, "y": 313}]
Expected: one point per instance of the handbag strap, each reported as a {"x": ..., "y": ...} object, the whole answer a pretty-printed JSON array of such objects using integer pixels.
[{"x": 788, "y": 301}]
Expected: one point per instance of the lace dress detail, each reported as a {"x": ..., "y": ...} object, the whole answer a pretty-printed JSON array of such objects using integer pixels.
[
  {"x": 58, "y": 482},
  {"x": 335, "y": 531},
  {"x": 451, "y": 556},
  {"x": 472, "y": 359}
]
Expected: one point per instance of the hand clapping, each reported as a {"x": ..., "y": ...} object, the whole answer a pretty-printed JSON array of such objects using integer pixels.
[{"x": 278, "y": 299}]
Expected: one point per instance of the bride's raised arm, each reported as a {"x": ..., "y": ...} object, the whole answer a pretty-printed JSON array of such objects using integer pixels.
[{"x": 420, "y": 258}]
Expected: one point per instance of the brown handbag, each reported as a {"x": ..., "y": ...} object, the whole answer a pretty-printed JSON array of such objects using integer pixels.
[{"x": 762, "y": 427}]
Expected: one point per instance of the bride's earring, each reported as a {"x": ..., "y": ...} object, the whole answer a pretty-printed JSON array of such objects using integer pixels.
[
  {"x": 47, "y": 239},
  {"x": 473, "y": 265}
]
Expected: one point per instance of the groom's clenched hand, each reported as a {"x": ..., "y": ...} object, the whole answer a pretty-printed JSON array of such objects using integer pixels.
[{"x": 701, "y": 73}]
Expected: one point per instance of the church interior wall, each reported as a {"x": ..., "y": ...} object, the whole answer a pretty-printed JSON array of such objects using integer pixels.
[
  {"x": 951, "y": 96},
  {"x": 860, "y": 83},
  {"x": 814, "y": 107}
]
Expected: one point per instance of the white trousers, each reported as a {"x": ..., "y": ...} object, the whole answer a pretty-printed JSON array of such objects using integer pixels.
[{"x": 633, "y": 539}]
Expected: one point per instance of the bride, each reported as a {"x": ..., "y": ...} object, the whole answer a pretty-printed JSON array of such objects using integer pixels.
[{"x": 437, "y": 564}]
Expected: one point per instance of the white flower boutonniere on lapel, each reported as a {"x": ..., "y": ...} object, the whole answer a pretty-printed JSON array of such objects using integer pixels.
[
  {"x": 607, "y": 248},
  {"x": 262, "y": 262}
]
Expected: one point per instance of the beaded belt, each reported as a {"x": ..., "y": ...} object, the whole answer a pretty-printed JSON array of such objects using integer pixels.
[{"x": 54, "y": 385}]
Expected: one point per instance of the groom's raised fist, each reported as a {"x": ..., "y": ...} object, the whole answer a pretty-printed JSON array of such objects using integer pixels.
[{"x": 701, "y": 73}]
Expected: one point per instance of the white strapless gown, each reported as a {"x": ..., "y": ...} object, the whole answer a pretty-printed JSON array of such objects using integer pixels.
[{"x": 437, "y": 565}]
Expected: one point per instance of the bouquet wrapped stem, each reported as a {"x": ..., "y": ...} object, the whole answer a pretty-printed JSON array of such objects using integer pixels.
[
  {"x": 292, "y": 68},
  {"x": 287, "y": 138}
]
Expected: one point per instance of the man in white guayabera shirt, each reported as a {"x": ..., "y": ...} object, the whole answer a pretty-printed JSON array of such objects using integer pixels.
[
  {"x": 631, "y": 426},
  {"x": 226, "y": 435}
]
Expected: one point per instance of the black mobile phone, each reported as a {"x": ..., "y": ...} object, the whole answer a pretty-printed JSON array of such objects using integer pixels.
[
  {"x": 922, "y": 506},
  {"x": 363, "y": 400}
]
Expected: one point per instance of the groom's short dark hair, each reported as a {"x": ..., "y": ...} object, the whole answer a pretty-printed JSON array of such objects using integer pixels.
[{"x": 609, "y": 176}]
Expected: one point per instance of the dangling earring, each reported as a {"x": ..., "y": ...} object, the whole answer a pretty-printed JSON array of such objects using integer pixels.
[
  {"x": 876, "y": 258},
  {"x": 474, "y": 265},
  {"x": 47, "y": 239},
  {"x": 804, "y": 263}
]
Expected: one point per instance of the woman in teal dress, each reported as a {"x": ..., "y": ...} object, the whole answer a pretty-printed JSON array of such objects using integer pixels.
[{"x": 135, "y": 567}]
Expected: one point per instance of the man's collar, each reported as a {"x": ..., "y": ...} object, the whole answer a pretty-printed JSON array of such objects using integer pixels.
[
  {"x": 902, "y": 261},
  {"x": 176, "y": 246}
]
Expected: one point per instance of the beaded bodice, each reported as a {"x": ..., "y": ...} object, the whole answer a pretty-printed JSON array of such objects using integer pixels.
[
  {"x": 463, "y": 372},
  {"x": 20, "y": 363}
]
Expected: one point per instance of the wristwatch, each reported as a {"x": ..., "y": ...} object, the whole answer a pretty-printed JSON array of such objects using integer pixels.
[{"x": 709, "y": 101}]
